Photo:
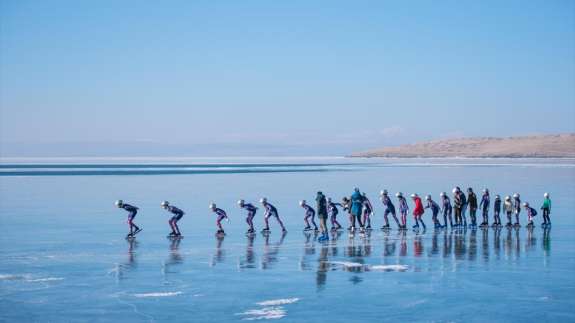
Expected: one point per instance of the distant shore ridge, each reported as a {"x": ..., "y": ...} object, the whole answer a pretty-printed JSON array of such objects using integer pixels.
[{"x": 536, "y": 146}]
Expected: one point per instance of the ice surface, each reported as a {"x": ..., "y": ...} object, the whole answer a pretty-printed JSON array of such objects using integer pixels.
[{"x": 63, "y": 256}]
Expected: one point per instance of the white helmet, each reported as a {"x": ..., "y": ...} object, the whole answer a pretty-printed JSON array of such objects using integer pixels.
[
  {"x": 497, "y": 197},
  {"x": 384, "y": 192},
  {"x": 526, "y": 204},
  {"x": 454, "y": 190},
  {"x": 546, "y": 194},
  {"x": 507, "y": 197},
  {"x": 212, "y": 206},
  {"x": 240, "y": 202},
  {"x": 164, "y": 203},
  {"x": 428, "y": 197},
  {"x": 414, "y": 195},
  {"x": 263, "y": 200},
  {"x": 119, "y": 203},
  {"x": 302, "y": 203},
  {"x": 516, "y": 195},
  {"x": 399, "y": 194},
  {"x": 442, "y": 194}
]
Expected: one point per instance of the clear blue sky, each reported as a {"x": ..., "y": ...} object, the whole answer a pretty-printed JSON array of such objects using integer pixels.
[{"x": 348, "y": 74}]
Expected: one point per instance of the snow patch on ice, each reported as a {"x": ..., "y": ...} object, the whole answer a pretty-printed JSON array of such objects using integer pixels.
[
  {"x": 158, "y": 294},
  {"x": 13, "y": 277},
  {"x": 371, "y": 267},
  {"x": 276, "y": 302},
  {"x": 47, "y": 279},
  {"x": 272, "y": 309},
  {"x": 347, "y": 264},
  {"x": 388, "y": 267},
  {"x": 28, "y": 278},
  {"x": 266, "y": 313}
]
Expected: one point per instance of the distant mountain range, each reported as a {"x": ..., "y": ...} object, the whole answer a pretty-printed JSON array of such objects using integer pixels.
[{"x": 541, "y": 146}]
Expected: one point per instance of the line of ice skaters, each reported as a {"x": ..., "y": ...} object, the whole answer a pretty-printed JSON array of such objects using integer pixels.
[{"x": 360, "y": 208}]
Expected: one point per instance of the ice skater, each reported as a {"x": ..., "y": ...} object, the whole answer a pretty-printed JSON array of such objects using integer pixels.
[
  {"x": 530, "y": 214},
  {"x": 472, "y": 202},
  {"x": 417, "y": 211},
  {"x": 321, "y": 206},
  {"x": 367, "y": 211},
  {"x": 356, "y": 208},
  {"x": 270, "y": 211},
  {"x": 332, "y": 209},
  {"x": 458, "y": 205},
  {"x": 221, "y": 215},
  {"x": 346, "y": 206},
  {"x": 403, "y": 210},
  {"x": 516, "y": 208},
  {"x": 132, "y": 211},
  {"x": 508, "y": 207},
  {"x": 497, "y": 211},
  {"x": 464, "y": 206},
  {"x": 446, "y": 209},
  {"x": 309, "y": 214},
  {"x": 251, "y": 214},
  {"x": 389, "y": 208},
  {"x": 484, "y": 205},
  {"x": 546, "y": 208},
  {"x": 177, "y": 215},
  {"x": 434, "y": 210}
]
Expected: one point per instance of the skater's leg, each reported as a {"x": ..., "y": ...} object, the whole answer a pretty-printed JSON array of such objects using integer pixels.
[
  {"x": 281, "y": 223},
  {"x": 313, "y": 222},
  {"x": 266, "y": 220},
  {"x": 176, "y": 228},
  {"x": 306, "y": 220}
]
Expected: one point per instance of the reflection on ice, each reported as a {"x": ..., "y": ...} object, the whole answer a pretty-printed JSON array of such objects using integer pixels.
[{"x": 271, "y": 251}]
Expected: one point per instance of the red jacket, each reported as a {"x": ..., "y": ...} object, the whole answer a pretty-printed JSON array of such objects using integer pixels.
[{"x": 418, "y": 210}]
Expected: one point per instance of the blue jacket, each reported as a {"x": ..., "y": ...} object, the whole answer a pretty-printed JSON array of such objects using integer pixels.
[{"x": 356, "y": 203}]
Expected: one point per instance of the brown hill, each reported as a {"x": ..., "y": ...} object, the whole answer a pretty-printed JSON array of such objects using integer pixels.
[{"x": 543, "y": 146}]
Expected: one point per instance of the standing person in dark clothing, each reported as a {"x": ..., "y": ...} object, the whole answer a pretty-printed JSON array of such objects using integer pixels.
[
  {"x": 457, "y": 205},
  {"x": 484, "y": 205},
  {"x": 472, "y": 201},
  {"x": 322, "y": 215},
  {"x": 464, "y": 206},
  {"x": 497, "y": 211},
  {"x": 132, "y": 211},
  {"x": 516, "y": 208}
]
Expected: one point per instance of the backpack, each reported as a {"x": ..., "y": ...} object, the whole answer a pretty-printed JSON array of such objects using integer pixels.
[{"x": 533, "y": 212}]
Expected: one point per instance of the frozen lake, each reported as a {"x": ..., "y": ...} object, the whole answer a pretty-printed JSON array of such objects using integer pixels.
[{"x": 63, "y": 256}]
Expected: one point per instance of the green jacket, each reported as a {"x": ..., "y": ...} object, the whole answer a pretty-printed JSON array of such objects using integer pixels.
[
  {"x": 546, "y": 204},
  {"x": 321, "y": 205}
]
